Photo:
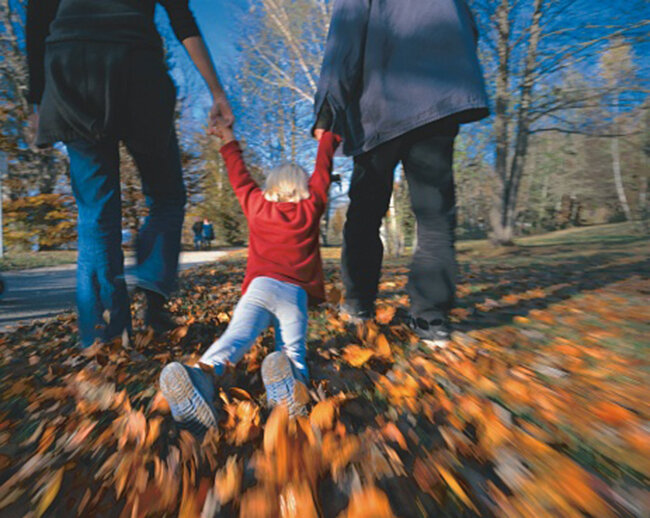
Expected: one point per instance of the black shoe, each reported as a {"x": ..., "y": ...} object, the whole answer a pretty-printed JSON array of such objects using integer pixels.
[
  {"x": 156, "y": 316},
  {"x": 434, "y": 333}
]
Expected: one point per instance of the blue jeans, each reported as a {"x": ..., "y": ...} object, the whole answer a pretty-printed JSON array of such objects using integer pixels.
[
  {"x": 102, "y": 299},
  {"x": 267, "y": 301}
]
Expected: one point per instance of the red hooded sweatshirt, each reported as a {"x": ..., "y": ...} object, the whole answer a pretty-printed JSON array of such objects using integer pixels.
[{"x": 284, "y": 236}]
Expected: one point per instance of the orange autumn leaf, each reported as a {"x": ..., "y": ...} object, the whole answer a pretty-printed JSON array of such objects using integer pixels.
[
  {"x": 190, "y": 506},
  {"x": 153, "y": 431},
  {"x": 159, "y": 404},
  {"x": 323, "y": 414},
  {"x": 297, "y": 501},
  {"x": 240, "y": 393},
  {"x": 247, "y": 422},
  {"x": 612, "y": 414},
  {"x": 425, "y": 476},
  {"x": 392, "y": 433},
  {"x": 638, "y": 439},
  {"x": 383, "y": 347},
  {"x": 356, "y": 355},
  {"x": 259, "y": 502},
  {"x": 453, "y": 484},
  {"x": 275, "y": 429},
  {"x": 179, "y": 333},
  {"x": 334, "y": 296},
  {"x": 50, "y": 491},
  {"x": 385, "y": 314},
  {"x": 227, "y": 481},
  {"x": 46, "y": 439},
  {"x": 369, "y": 502}
]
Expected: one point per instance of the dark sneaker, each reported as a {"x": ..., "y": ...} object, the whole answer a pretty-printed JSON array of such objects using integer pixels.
[
  {"x": 433, "y": 333},
  {"x": 156, "y": 315},
  {"x": 355, "y": 316},
  {"x": 190, "y": 394},
  {"x": 280, "y": 383}
]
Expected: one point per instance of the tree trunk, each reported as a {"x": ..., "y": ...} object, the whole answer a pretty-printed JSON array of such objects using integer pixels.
[
  {"x": 618, "y": 179},
  {"x": 505, "y": 229},
  {"x": 501, "y": 232},
  {"x": 643, "y": 198}
]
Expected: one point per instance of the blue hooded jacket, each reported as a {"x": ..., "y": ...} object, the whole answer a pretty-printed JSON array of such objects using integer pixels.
[{"x": 391, "y": 66}]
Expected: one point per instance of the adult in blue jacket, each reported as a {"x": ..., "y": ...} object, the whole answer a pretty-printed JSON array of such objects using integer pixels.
[{"x": 398, "y": 77}]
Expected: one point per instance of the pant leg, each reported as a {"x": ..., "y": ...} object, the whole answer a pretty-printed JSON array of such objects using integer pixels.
[
  {"x": 290, "y": 322},
  {"x": 159, "y": 239},
  {"x": 428, "y": 162},
  {"x": 95, "y": 177},
  {"x": 250, "y": 318},
  {"x": 370, "y": 190}
]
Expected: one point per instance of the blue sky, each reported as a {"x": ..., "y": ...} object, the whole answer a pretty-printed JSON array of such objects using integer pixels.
[{"x": 218, "y": 20}]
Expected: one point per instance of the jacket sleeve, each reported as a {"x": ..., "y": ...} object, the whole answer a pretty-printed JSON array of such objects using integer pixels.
[
  {"x": 40, "y": 13},
  {"x": 181, "y": 18},
  {"x": 472, "y": 21},
  {"x": 321, "y": 178},
  {"x": 246, "y": 189},
  {"x": 341, "y": 72}
]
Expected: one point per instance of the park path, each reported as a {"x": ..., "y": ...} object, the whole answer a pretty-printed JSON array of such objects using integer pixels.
[{"x": 46, "y": 292}]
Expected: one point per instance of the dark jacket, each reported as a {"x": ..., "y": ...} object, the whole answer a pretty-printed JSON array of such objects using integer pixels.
[
  {"x": 100, "y": 72},
  {"x": 391, "y": 66}
]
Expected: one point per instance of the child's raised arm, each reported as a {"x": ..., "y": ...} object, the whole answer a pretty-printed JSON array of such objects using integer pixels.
[
  {"x": 246, "y": 189},
  {"x": 320, "y": 180}
]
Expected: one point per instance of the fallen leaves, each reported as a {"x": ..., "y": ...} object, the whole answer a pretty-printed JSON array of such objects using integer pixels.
[
  {"x": 525, "y": 420},
  {"x": 323, "y": 414},
  {"x": 356, "y": 355},
  {"x": 612, "y": 413},
  {"x": 369, "y": 502},
  {"x": 228, "y": 481},
  {"x": 50, "y": 490},
  {"x": 243, "y": 423}
]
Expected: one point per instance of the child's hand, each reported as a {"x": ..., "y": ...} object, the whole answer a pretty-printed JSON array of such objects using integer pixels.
[{"x": 222, "y": 129}]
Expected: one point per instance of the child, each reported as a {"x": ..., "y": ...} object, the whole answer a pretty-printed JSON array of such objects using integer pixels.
[{"x": 283, "y": 273}]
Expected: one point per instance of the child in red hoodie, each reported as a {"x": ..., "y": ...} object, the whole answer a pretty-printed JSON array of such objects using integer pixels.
[{"x": 284, "y": 273}]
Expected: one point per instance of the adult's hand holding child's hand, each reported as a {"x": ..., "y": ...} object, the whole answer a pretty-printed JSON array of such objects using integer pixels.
[
  {"x": 220, "y": 110},
  {"x": 222, "y": 129}
]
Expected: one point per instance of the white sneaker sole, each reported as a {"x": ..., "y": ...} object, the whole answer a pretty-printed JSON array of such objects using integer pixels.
[
  {"x": 186, "y": 403},
  {"x": 279, "y": 382}
]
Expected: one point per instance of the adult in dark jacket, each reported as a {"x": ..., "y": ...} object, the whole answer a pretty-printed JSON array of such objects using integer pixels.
[
  {"x": 398, "y": 77},
  {"x": 98, "y": 77}
]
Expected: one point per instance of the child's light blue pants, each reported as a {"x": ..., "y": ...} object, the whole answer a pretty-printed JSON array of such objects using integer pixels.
[{"x": 266, "y": 301}]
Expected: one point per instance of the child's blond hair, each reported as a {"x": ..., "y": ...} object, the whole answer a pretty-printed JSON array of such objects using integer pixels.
[{"x": 288, "y": 182}]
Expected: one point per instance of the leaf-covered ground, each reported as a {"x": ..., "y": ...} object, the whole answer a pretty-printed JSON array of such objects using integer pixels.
[{"x": 539, "y": 407}]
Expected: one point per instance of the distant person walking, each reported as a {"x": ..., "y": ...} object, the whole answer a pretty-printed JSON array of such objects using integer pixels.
[
  {"x": 197, "y": 229},
  {"x": 208, "y": 233},
  {"x": 98, "y": 77},
  {"x": 398, "y": 77}
]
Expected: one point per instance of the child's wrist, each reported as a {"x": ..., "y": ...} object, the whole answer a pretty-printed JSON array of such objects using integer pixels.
[{"x": 228, "y": 137}]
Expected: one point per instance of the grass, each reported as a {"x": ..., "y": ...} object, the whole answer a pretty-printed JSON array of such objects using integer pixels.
[
  {"x": 30, "y": 260},
  {"x": 622, "y": 235}
]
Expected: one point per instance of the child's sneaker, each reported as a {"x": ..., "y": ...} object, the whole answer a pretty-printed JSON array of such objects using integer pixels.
[
  {"x": 434, "y": 333},
  {"x": 280, "y": 383},
  {"x": 190, "y": 393}
]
